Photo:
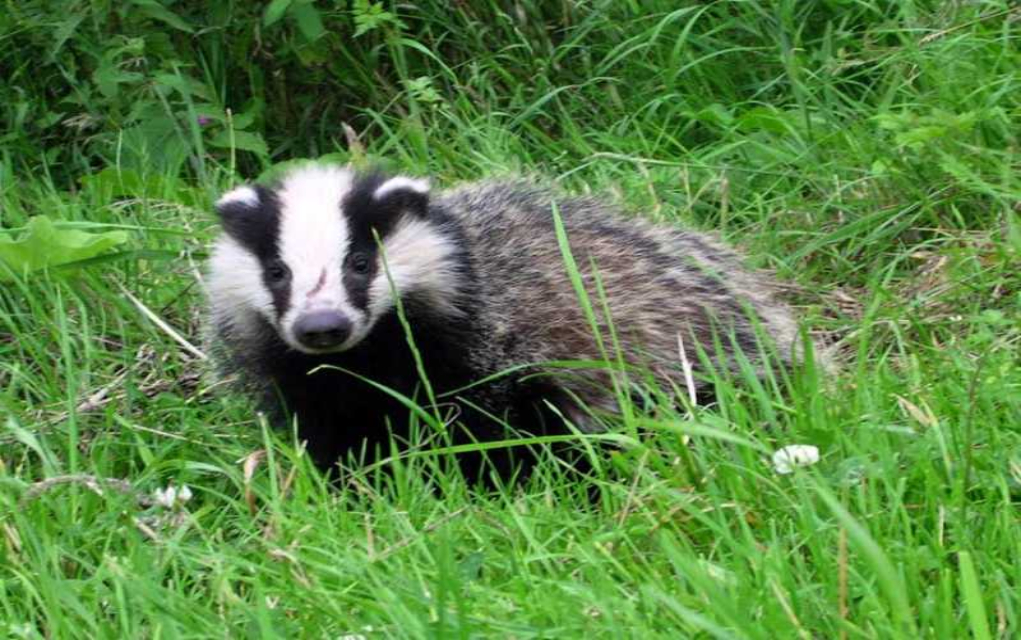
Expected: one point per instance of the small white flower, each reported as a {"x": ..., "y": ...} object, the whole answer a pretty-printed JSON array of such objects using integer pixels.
[
  {"x": 164, "y": 497},
  {"x": 794, "y": 455},
  {"x": 171, "y": 496}
]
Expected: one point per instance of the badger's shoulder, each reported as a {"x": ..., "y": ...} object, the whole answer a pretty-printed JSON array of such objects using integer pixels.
[{"x": 529, "y": 199}]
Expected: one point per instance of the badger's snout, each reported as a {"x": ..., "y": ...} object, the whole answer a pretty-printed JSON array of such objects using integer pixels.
[{"x": 322, "y": 330}]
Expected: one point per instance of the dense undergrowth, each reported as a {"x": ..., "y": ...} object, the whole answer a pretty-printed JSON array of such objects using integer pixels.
[{"x": 867, "y": 151}]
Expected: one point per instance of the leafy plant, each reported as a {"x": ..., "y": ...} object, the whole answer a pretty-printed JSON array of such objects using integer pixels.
[{"x": 44, "y": 243}]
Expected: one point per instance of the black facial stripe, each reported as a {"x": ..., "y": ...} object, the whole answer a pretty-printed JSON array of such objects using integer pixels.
[
  {"x": 256, "y": 227},
  {"x": 357, "y": 284},
  {"x": 367, "y": 218},
  {"x": 280, "y": 291}
]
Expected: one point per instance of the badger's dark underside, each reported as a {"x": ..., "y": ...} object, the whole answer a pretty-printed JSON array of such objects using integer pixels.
[{"x": 340, "y": 414}]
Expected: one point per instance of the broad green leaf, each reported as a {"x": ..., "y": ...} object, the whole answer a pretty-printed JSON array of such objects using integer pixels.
[
  {"x": 274, "y": 12},
  {"x": 309, "y": 22},
  {"x": 183, "y": 84},
  {"x": 715, "y": 113},
  {"x": 765, "y": 119},
  {"x": 244, "y": 140},
  {"x": 42, "y": 244},
  {"x": 157, "y": 11},
  {"x": 108, "y": 76}
]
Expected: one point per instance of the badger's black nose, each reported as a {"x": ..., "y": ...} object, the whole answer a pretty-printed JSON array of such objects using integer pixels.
[{"x": 322, "y": 329}]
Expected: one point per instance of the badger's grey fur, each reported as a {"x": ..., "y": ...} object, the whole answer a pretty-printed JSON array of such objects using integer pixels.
[{"x": 298, "y": 280}]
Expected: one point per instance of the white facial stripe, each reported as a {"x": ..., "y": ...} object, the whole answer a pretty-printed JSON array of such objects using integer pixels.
[
  {"x": 399, "y": 183},
  {"x": 417, "y": 258},
  {"x": 313, "y": 242},
  {"x": 313, "y": 233},
  {"x": 240, "y": 195},
  {"x": 234, "y": 286}
]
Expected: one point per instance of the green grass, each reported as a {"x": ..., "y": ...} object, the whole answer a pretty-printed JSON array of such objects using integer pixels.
[{"x": 867, "y": 151}]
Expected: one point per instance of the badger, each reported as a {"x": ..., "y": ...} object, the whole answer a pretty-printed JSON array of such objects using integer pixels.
[{"x": 343, "y": 298}]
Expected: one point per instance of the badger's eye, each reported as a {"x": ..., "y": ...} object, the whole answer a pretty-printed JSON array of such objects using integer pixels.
[
  {"x": 277, "y": 272},
  {"x": 359, "y": 263}
]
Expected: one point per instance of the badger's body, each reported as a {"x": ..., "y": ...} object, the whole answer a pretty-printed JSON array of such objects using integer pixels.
[{"x": 298, "y": 280}]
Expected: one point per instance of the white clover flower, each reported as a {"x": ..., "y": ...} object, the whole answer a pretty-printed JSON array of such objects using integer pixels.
[
  {"x": 795, "y": 455},
  {"x": 171, "y": 496}
]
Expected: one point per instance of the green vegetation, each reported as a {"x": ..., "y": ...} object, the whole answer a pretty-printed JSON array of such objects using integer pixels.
[{"x": 867, "y": 150}]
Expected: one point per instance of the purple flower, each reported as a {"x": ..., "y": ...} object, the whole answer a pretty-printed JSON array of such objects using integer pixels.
[{"x": 203, "y": 121}]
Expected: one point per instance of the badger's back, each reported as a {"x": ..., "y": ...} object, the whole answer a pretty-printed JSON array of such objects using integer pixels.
[{"x": 663, "y": 286}]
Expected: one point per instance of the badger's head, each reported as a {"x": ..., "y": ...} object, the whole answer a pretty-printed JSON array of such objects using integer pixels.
[{"x": 307, "y": 256}]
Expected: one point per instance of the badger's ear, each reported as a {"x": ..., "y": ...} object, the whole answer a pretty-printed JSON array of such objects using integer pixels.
[
  {"x": 242, "y": 200},
  {"x": 402, "y": 192},
  {"x": 247, "y": 214}
]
